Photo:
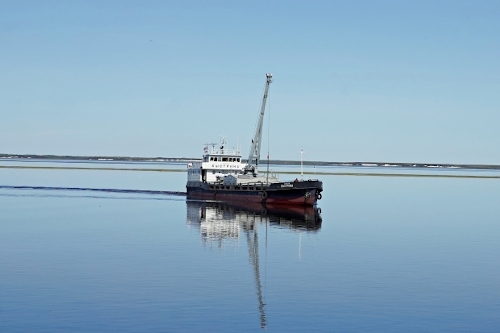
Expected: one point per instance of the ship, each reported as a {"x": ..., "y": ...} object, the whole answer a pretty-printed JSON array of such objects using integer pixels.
[{"x": 222, "y": 175}]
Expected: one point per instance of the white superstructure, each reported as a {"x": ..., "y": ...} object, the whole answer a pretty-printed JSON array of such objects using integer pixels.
[{"x": 217, "y": 165}]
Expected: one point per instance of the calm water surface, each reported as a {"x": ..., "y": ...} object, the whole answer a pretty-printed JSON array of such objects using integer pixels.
[{"x": 386, "y": 254}]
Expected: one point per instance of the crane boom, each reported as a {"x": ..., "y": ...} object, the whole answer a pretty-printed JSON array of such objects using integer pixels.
[{"x": 254, "y": 157}]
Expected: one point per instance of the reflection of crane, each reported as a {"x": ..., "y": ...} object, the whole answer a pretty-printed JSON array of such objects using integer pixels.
[
  {"x": 220, "y": 222},
  {"x": 253, "y": 251}
]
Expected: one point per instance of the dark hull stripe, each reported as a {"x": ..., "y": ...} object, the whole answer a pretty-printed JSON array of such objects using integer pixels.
[{"x": 302, "y": 196}]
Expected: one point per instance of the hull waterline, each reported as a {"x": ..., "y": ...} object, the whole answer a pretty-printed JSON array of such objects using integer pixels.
[{"x": 303, "y": 193}]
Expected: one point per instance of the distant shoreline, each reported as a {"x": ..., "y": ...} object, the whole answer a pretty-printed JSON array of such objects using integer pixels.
[{"x": 275, "y": 162}]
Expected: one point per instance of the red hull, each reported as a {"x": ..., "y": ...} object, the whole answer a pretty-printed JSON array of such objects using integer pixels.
[
  {"x": 303, "y": 193},
  {"x": 249, "y": 198}
]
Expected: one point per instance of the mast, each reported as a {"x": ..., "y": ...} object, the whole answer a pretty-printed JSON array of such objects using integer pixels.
[{"x": 254, "y": 157}]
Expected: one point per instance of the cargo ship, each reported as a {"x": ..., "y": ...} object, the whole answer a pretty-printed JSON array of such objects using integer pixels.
[{"x": 222, "y": 175}]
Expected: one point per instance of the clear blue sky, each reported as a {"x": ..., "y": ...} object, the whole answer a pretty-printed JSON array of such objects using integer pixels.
[{"x": 400, "y": 81}]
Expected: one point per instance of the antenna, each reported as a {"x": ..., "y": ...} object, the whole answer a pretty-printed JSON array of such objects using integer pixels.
[
  {"x": 223, "y": 143},
  {"x": 301, "y": 168},
  {"x": 205, "y": 149}
]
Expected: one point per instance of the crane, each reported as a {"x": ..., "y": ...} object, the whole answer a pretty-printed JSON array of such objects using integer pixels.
[{"x": 254, "y": 156}]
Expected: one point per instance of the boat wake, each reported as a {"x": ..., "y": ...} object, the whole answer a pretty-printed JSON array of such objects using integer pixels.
[{"x": 86, "y": 189}]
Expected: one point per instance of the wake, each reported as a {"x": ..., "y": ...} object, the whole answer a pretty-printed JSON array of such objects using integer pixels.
[{"x": 86, "y": 189}]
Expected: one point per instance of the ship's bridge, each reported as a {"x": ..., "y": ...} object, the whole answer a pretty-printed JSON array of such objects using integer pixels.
[
  {"x": 222, "y": 161},
  {"x": 221, "y": 158},
  {"x": 217, "y": 159},
  {"x": 216, "y": 164},
  {"x": 221, "y": 154}
]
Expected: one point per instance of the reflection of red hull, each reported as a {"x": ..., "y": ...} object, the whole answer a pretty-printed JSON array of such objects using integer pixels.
[
  {"x": 302, "y": 217},
  {"x": 303, "y": 193}
]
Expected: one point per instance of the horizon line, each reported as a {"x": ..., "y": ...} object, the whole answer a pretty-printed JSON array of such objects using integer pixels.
[{"x": 103, "y": 158}]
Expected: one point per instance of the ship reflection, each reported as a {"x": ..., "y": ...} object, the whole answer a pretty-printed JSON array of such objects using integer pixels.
[
  {"x": 220, "y": 223},
  {"x": 220, "y": 220}
]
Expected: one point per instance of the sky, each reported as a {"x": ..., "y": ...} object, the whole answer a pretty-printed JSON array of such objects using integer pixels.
[{"x": 381, "y": 81}]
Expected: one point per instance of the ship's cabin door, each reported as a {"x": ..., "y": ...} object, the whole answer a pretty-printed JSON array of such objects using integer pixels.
[{"x": 204, "y": 176}]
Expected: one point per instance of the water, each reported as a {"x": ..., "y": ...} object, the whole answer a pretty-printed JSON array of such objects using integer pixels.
[{"x": 389, "y": 254}]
